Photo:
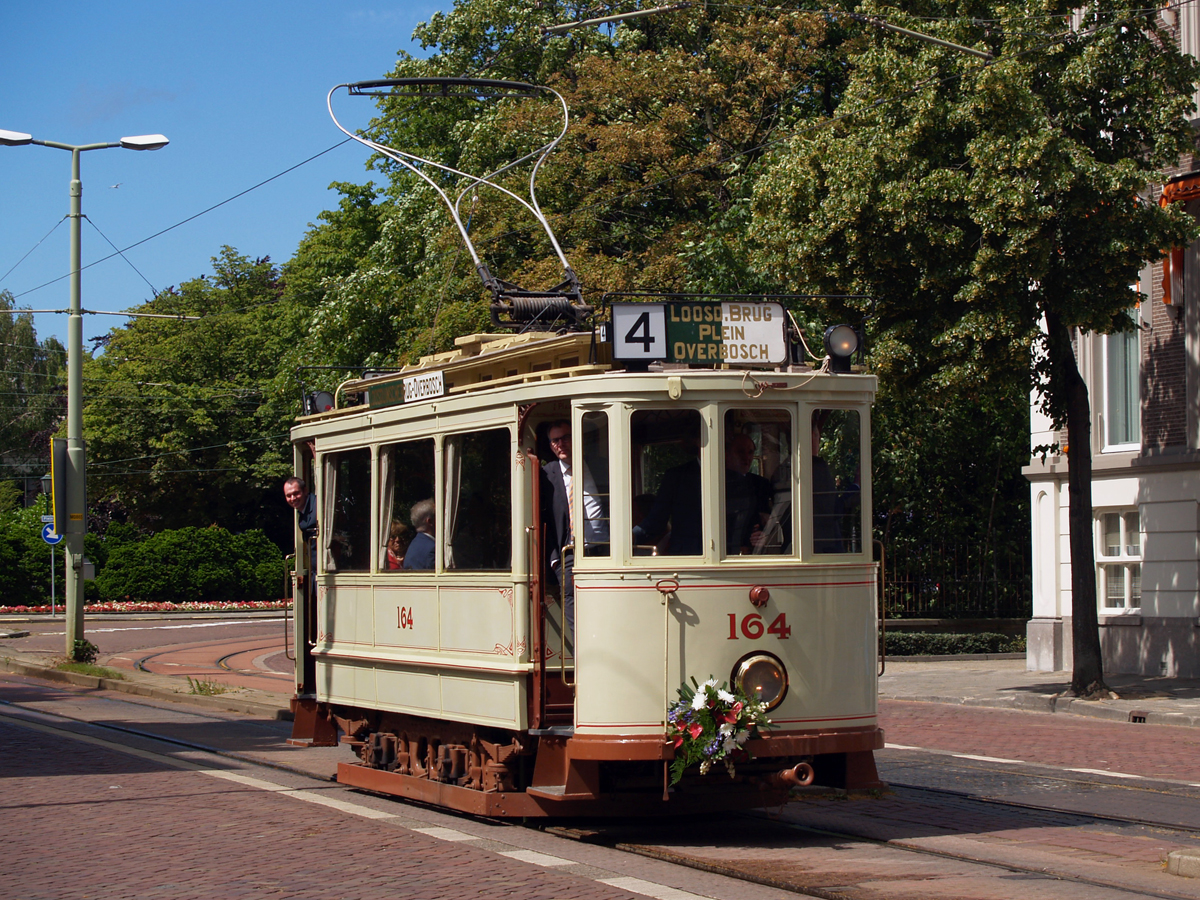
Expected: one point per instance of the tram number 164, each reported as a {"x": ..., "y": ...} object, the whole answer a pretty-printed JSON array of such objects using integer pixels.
[
  {"x": 752, "y": 626},
  {"x": 404, "y": 617}
]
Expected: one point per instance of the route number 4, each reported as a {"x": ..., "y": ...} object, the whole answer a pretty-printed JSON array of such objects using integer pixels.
[
  {"x": 752, "y": 627},
  {"x": 404, "y": 617}
]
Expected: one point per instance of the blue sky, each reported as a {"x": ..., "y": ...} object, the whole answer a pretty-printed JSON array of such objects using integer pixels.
[{"x": 239, "y": 89}]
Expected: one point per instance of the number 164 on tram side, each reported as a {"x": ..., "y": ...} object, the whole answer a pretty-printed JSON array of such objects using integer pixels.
[{"x": 581, "y": 574}]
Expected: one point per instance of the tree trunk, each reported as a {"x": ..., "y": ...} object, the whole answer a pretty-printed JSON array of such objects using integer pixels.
[{"x": 1088, "y": 672}]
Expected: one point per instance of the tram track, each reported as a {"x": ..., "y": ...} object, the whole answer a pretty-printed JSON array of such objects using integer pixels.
[
  {"x": 616, "y": 836},
  {"x": 665, "y": 854}
]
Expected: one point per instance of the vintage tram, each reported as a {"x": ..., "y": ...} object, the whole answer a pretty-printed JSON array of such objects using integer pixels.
[{"x": 719, "y": 500}]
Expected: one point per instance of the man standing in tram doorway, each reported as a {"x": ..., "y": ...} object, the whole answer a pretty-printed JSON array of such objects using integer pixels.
[{"x": 559, "y": 517}]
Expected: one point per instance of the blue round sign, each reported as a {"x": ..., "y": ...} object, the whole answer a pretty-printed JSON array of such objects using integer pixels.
[{"x": 49, "y": 536}]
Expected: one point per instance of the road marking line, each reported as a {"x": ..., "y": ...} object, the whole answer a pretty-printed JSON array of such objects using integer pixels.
[
  {"x": 333, "y": 803},
  {"x": 246, "y": 780},
  {"x": 1104, "y": 772},
  {"x": 900, "y": 747},
  {"x": 538, "y": 859},
  {"x": 649, "y": 889},
  {"x": 445, "y": 834},
  {"x": 995, "y": 759}
]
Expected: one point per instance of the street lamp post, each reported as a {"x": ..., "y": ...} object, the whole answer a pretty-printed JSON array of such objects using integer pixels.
[{"x": 76, "y": 509}]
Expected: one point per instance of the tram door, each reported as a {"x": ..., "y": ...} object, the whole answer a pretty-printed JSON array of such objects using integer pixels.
[{"x": 550, "y": 446}]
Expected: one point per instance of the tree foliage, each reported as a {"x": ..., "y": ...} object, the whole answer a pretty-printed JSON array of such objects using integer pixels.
[
  {"x": 991, "y": 208},
  {"x": 32, "y": 392},
  {"x": 180, "y": 417}
]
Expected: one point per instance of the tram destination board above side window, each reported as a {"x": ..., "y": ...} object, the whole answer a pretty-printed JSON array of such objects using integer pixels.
[
  {"x": 701, "y": 333},
  {"x": 415, "y": 387}
]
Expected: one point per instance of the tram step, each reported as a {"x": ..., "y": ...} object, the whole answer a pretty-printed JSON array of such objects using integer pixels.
[{"x": 557, "y": 792}]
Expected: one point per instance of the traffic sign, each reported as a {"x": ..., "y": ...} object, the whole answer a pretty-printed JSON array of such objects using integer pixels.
[
  {"x": 49, "y": 536},
  {"x": 46, "y": 519}
]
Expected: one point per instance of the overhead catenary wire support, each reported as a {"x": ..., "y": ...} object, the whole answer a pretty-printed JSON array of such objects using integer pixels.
[{"x": 554, "y": 30}]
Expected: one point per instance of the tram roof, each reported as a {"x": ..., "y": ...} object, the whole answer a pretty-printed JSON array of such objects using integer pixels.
[{"x": 486, "y": 362}]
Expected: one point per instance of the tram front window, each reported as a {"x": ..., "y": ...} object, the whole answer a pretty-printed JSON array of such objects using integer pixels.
[
  {"x": 477, "y": 508},
  {"x": 836, "y": 488},
  {"x": 758, "y": 481},
  {"x": 667, "y": 509},
  {"x": 346, "y": 502}
]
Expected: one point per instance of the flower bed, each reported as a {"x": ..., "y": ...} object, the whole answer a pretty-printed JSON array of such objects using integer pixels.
[{"x": 132, "y": 607}]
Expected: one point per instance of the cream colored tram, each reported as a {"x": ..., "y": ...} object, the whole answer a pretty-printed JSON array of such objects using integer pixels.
[{"x": 454, "y": 683}]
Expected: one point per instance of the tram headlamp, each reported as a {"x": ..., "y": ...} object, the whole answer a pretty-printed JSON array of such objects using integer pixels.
[
  {"x": 761, "y": 677},
  {"x": 841, "y": 343}
]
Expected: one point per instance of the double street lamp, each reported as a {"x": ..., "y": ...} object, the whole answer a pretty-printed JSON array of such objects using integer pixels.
[{"x": 76, "y": 469}]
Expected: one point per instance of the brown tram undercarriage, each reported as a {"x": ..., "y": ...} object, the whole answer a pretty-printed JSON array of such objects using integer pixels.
[{"x": 498, "y": 772}]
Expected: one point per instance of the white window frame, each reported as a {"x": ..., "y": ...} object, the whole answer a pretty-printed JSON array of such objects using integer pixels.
[
  {"x": 1126, "y": 560},
  {"x": 1136, "y": 411}
]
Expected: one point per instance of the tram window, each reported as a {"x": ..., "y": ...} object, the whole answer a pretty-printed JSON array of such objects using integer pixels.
[
  {"x": 595, "y": 484},
  {"x": 405, "y": 479},
  {"x": 836, "y": 490},
  {"x": 665, "y": 469},
  {"x": 346, "y": 502},
  {"x": 758, "y": 481},
  {"x": 477, "y": 508}
]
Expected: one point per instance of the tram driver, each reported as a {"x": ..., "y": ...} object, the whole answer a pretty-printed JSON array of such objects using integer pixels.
[{"x": 559, "y": 516}]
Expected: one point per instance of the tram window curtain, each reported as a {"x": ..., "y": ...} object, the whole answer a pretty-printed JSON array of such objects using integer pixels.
[
  {"x": 452, "y": 453},
  {"x": 328, "y": 507},
  {"x": 387, "y": 478}
]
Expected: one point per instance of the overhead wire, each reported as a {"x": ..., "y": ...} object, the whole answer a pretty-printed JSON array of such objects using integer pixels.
[
  {"x": 34, "y": 247},
  {"x": 191, "y": 218}
]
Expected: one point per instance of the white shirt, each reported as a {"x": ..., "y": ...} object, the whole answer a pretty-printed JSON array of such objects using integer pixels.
[{"x": 595, "y": 520}]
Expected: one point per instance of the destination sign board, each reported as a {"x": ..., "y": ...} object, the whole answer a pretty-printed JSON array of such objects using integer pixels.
[
  {"x": 416, "y": 387},
  {"x": 702, "y": 333}
]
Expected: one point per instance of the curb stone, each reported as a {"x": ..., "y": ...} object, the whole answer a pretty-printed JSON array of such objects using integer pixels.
[
  {"x": 1184, "y": 862},
  {"x": 268, "y": 709},
  {"x": 1055, "y": 704}
]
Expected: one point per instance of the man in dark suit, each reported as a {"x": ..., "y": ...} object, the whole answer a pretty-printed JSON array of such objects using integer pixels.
[
  {"x": 559, "y": 518},
  {"x": 747, "y": 497}
]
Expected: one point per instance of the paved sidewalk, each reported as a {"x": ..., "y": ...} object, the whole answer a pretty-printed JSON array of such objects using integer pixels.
[{"x": 1005, "y": 684}]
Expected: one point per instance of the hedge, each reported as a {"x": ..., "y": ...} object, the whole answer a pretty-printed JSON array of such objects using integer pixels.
[
  {"x": 194, "y": 565},
  {"x": 901, "y": 643}
]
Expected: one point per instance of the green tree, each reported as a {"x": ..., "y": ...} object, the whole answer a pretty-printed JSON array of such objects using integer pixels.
[
  {"x": 180, "y": 419},
  {"x": 993, "y": 207},
  {"x": 32, "y": 400}
]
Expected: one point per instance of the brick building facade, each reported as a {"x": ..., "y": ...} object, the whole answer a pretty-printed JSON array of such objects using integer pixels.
[{"x": 1145, "y": 397}]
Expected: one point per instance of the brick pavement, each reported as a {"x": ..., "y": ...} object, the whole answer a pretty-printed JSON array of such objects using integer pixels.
[
  {"x": 1151, "y": 751},
  {"x": 84, "y": 822}
]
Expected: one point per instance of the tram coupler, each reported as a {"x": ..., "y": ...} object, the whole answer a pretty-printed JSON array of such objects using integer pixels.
[{"x": 799, "y": 775}]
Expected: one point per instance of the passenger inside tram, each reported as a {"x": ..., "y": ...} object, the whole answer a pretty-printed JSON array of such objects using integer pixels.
[
  {"x": 420, "y": 554},
  {"x": 399, "y": 537}
]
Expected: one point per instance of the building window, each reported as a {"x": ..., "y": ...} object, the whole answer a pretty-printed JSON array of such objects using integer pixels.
[
  {"x": 1121, "y": 356},
  {"x": 1119, "y": 558}
]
